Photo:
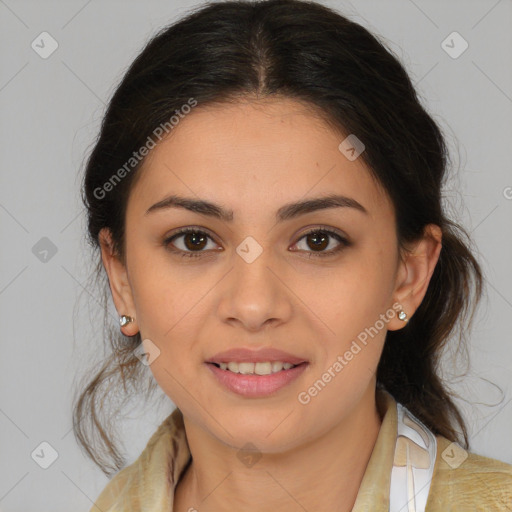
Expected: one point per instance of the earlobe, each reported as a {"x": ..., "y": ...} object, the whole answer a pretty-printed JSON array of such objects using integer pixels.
[
  {"x": 118, "y": 281},
  {"x": 413, "y": 278}
]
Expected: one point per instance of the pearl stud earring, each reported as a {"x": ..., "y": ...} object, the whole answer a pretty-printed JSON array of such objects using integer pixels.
[{"x": 125, "y": 319}]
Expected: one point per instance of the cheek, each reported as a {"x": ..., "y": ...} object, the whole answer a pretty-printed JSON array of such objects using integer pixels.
[
  {"x": 353, "y": 295},
  {"x": 173, "y": 326},
  {"x": 353, "y": 304},
  {"x": 163, "y": 293},
  {"x": 352, "y": 344},
  {"x": 169, "y": 313}
]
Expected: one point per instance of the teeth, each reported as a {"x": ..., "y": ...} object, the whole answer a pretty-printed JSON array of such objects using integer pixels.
[
  {"x": 245, "y": 368},
  {"x": 276, "y": 366},
  {"x": 256, "y": 368},
  {"x": 233, "y": 367}
]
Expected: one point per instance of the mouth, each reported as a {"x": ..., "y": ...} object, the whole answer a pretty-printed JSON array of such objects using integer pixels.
[
  {"x": 256, "y": 368},
  {"x": 255, "y": 380}
]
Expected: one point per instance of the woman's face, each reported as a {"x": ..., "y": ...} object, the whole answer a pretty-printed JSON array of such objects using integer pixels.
[{"x": 256, "y": 279}]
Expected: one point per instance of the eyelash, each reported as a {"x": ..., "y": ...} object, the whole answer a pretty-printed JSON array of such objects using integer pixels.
[{"x": 194, "y": 254}]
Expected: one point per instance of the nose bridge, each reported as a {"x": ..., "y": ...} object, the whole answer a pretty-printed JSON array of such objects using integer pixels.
[{"x": 253, "y": 294}]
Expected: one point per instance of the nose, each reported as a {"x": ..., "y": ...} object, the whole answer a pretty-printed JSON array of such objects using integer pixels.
[{"x": 255, "y": 295}]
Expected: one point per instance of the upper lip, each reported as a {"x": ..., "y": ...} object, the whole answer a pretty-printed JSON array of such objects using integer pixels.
[{"x": 244, "y": 355}]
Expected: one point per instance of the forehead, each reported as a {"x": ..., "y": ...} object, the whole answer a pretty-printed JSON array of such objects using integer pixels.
[{"x": 252, "y": 155}]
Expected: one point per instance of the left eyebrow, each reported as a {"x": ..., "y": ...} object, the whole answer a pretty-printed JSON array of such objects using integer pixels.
[{"x": 286, "y": 212}]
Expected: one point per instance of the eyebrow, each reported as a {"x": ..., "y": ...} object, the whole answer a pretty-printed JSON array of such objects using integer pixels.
[{"x": 286, "y": 212}]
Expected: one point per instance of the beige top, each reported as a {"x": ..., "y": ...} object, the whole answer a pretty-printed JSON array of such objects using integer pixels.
[{"x": 461, "y": 481}]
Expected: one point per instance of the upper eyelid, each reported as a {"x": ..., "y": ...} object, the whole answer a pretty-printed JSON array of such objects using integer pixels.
[{"x": 193, "y": 229}]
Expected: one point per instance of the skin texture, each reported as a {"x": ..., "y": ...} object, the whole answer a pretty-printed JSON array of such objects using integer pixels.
[{"x": 254, "y": 157}]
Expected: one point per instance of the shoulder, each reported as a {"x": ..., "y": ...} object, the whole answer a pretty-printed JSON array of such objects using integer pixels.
[
  {"x": 145, "y": 480},
  {"x": 466, "y": 481},
  {"x": 122, "y": 488}
]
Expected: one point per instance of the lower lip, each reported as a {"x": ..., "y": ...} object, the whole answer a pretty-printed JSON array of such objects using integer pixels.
[{"x": 255, "y": 386}]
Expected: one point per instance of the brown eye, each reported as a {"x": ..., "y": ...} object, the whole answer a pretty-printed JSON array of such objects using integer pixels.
[
  {"x": 319, "y": 240},
  {"x": 192, "y": 241}
]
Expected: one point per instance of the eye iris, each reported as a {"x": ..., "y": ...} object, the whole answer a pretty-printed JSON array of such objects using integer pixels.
[
  {"x": 199, "y": 240},
  {"x": 319, "y": 244}
]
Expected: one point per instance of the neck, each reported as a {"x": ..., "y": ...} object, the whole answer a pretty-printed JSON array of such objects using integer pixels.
[{"x": 325, "y": 473}]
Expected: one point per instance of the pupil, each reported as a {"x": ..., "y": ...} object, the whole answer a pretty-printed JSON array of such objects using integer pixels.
[
  {"x": 316, "y": 236},
  {"x": 197, "y": 240}
]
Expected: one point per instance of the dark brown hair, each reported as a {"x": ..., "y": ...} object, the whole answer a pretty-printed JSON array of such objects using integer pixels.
[{"x": 305, "y": 51}]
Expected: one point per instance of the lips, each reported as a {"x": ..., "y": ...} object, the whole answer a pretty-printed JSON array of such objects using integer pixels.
[
  {"x": 256, "y": 386},
  {"x": 243, "y": 355}
]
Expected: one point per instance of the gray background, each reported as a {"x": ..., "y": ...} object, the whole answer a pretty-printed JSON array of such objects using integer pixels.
[{"x": 50, "y": 113}]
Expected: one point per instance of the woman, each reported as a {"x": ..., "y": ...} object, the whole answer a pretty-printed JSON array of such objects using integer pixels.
[{"x": 266, "y": 196}]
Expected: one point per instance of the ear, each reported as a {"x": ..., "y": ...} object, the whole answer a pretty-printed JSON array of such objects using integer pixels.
[
  {"x": 415, "y": 270},
  {"x": 118, "y": 280}
]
